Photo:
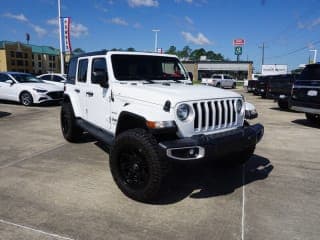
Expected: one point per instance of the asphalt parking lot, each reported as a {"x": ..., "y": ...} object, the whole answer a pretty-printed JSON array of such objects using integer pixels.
[{"x": 51, "y": 189}]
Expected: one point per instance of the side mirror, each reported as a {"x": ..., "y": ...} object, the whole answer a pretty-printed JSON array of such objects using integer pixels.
[
  {"x": 11, "y": 82},
  {"x": 100, "y": 77},
  {"x": 190, "y": 75}
]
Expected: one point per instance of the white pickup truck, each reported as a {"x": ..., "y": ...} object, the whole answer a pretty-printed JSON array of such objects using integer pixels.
[{"x": 220, "y": 80}]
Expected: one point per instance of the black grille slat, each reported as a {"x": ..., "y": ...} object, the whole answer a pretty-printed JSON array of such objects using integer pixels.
[{"x": 210, "y": 114}]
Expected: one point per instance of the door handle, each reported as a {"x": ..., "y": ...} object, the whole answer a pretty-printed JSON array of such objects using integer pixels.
[
  {"x": 90, "y": 94},
  {"x": 77, "y": 90}
]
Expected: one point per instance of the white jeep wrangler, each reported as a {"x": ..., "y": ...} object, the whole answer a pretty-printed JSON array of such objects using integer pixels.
[{"x": 144, "y": 106}]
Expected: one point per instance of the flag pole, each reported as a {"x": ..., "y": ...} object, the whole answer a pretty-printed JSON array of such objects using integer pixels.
[{"x": 60, "y": 38}]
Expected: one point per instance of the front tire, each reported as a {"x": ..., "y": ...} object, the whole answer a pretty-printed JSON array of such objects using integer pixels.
[
  {"x": 313, "y": 118},
  {"x": 26, "y": 99},
  {"x": 136, "y": 165},
  {"x": 70, "y": 130}
]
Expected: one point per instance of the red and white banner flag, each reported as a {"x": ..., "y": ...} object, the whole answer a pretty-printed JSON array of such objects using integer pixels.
[{"x": 66, "y": 30}]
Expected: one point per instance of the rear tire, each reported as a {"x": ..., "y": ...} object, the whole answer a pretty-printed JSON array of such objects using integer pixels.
[
  {"x": 234, "y": 85},
  {"x": 313, "y": 118},
  {"x": 136, "y": 165},
  {"x": 26, "y": 99},
  {"x": 70, "y": 130}
]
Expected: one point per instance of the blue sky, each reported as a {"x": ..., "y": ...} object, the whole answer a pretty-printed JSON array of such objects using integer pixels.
[{"x": 289, "y": 28}]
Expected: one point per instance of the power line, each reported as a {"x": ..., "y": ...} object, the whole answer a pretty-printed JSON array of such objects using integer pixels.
[{"x": 294, "y": 51}]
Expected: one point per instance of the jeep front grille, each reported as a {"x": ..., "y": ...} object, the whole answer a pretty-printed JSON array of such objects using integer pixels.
[{"x": 215, "y": 115}]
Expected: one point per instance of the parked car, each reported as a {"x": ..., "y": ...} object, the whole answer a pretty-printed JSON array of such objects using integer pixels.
[
  {"x": 220, "y": 80},
  {"x": 54, "y": 78},
  {"x": 280, "y": 88},
  {"x": 27, "y": 89},
  {"x": 305, "y": 95},
  {"x": 261, "y": 86},
  {"x": 148, "y": 118},
  {"x": 251, "y": 87}
]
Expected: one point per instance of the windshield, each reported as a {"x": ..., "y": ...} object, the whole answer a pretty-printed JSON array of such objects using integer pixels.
[
  {"x": 26, "y": 78},
  {"x": 143, "y": 67},
  {"x": 311, "y": 72}
]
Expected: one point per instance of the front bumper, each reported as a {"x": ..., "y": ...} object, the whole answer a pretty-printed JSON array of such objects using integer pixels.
[
  {"x": 48, "y": 96},
  {"x": 212, "y": 146}
]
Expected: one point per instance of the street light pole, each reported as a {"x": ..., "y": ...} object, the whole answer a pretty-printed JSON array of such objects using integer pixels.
[
  {"x": 314, "y": 55},
  {"x": 60, "y": 38},
  {"x": 155, "y": 39}
]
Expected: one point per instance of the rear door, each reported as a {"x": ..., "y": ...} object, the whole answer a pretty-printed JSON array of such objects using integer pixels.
[{"x": 98, "y": 98}]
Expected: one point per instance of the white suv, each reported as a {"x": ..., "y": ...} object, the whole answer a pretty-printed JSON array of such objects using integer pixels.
[
  {"x": 144, "y": 106},
  {"x": 27, "y": 89}
]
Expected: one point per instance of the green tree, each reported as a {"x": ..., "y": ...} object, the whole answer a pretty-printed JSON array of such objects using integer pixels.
[
  {"x": 78, "y": 51},
  {"x": 214, "y": 56},
  {"x": 185, "y": 53},
  {"x": 197, "y": 53},
  {"x": 131, "y": 49},
  {"x": 172, "y": 50}
]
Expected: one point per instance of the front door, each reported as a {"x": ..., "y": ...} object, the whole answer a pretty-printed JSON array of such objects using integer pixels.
[
  {"x": 8, "y": 91},
  {"x": 98, "y": 98}
]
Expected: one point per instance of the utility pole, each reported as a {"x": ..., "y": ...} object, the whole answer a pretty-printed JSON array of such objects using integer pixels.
[
  {"x": 60, "y": 38},
  {"x": 262, "y": 59},
  {"x": 155, "y": 39}
]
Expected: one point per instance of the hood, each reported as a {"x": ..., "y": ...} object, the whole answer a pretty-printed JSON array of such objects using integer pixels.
[
  {"x": 175, "y": 92},
  {"x": 46, "y": 86}
]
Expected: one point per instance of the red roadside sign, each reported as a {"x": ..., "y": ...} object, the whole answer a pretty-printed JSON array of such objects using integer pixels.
[{"x": 238, "y": 42}]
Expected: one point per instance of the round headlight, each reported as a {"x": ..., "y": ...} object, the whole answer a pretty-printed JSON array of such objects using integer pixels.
[
  {"x": 239, "y": 105},
  {"x": 183, "y": 112}
]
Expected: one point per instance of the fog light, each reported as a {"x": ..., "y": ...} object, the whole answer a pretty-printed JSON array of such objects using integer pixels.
[{"x": 191, "y": 152}]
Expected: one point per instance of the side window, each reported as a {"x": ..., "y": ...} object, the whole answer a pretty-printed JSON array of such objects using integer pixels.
[
  {"x": 98, "y": 65},
  {"x": 57, "y": 78},
  {"x": 46, "y": 77},
  {"x": 82, "y": 70},
  {"x": 3, "y": 77},
  {"x": 72, "y": 71}
]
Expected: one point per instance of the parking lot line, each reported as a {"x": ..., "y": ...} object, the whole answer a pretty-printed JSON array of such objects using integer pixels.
[
  {"x": 35, "y": 230},
  {"x": 243, "y": 202},
  {"x": 31, "y": 156}
]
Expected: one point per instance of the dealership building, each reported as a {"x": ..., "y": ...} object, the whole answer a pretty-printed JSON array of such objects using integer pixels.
[{"x": 238, "y": 69}]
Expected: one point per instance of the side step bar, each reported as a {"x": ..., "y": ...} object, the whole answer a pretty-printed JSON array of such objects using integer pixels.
[{"x": 96, "y": 132}]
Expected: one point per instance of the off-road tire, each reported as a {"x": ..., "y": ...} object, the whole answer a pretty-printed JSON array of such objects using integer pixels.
[
  {"x": 218, "y": 85},
  {"x": 70, "y": 130},
  {"x": 234, "y": 85},
  {"x": 137, "y": 166},
  {"x": 26, "y": 99},
  {"x": 313, "y": 118}
]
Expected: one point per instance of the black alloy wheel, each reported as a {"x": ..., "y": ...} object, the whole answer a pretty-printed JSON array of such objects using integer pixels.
[
  {"x": 134, "y": 169},
  {"x": 137, "y": 166}
]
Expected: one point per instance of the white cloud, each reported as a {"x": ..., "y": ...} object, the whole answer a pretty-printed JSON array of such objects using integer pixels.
[
  {"x": 200, "y": 39},
  {"x": 119, "y": 21},
  {"x": 39, "y": 30},
  {"x": 137, "y": 25},
  {"x": 19, "y": 17},
  {"x": 189, "y": 20},
  {"x": 53, "y": 22},
  {"x": 314, "y": 23},
  {"x": 78, "y": 30},
  {"x": 143, "y": 3}
]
